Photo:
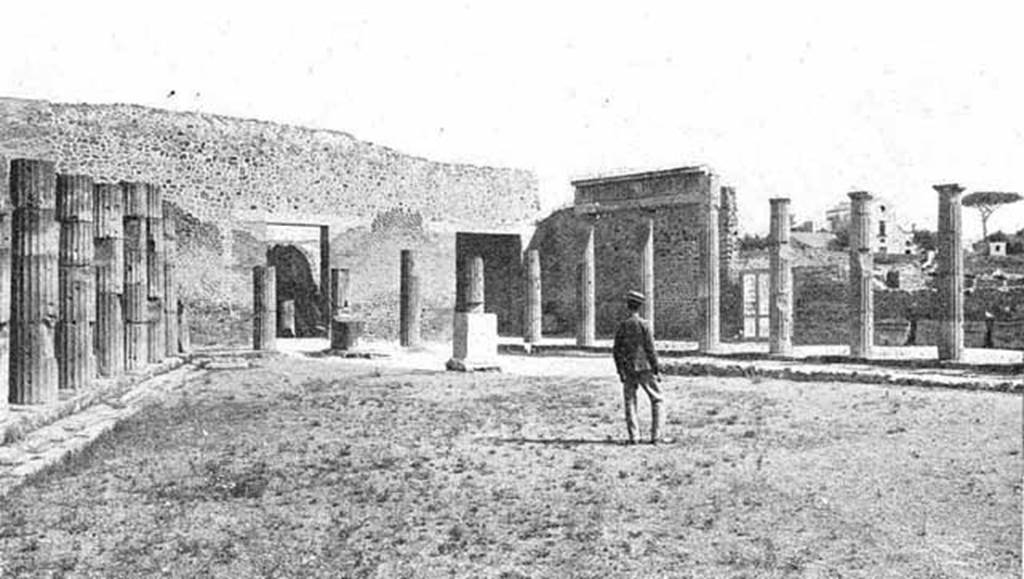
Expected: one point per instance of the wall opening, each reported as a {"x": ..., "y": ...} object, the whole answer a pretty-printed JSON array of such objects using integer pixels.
[{"x": 295, "y": 282}]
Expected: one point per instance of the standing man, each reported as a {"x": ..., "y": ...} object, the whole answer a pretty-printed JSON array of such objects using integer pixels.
[{"x": 637, "y": 363}]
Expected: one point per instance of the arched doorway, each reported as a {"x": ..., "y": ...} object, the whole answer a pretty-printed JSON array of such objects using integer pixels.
[{"x": 295, "y": 283}]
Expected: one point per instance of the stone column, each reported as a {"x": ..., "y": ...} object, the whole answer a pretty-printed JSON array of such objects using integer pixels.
[
  {"x": 136, "y": 332},
  {"x": 409, "y": 305},
  {"x": 184, "y": 329},
  {"x": 780, "y": 294},
  {"x": 710, "y": 291},
  {"x": 647, "y": 270},
  {"x": 861, "y": 304},
  {"x": 340, "y": 292},
  {"x": 474, "y": 298},
  {"x": 155, "y": 260},
  {"x": 34, "y": 282},
  {"x": 170, "y": 317},
  {"x": 5, "y": 281},
  {"x": 586, "y": 322},
  {"x": 108, "y": 247},
  {"x": 264, "y": 308},
  {"x": 950, "y": 270},
  {"x": 77, "y": 280},
  {"x": 534, "y": 313},
  {"x": 325, "y": 278}
]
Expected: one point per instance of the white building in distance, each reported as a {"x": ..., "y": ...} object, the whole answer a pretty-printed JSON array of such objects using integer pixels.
[{"x": 890, "y": 235}]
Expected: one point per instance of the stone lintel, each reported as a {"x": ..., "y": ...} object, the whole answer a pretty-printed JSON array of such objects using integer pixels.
[{"x": 649, "y": 203}]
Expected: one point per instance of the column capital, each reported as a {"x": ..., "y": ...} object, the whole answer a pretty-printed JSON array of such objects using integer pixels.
[
  {"x": 860, "y": 196},
  {"x": 948, "y": 189},
  {"x": 779, "y": 200}
]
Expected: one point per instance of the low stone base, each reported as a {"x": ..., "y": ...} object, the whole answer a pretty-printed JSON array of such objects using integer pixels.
[
  {"x": 474, "y": 343},
  {"x": 356, "y": 353},
  {"x": 345, "y": 333},
  {"x": 457, "y": 365}
]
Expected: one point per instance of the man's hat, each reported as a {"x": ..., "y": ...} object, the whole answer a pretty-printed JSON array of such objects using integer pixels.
[{"x": 635, "y": 297}]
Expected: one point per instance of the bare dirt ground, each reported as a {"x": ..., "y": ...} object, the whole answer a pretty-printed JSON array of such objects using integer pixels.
[{"x": 331, "y": 468}]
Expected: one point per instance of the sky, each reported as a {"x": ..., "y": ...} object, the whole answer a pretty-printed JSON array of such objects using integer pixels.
[{"x": 806, "y": 100}]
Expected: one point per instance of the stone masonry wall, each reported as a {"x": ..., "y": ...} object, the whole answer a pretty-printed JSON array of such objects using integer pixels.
[{"x": 220, "y": 173}]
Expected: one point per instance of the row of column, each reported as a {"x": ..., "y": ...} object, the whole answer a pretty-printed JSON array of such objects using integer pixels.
[
  {"x": 950, "y": 276},
  {"x": 91, "y": 292},
  {"x": 265, "y": 302}
]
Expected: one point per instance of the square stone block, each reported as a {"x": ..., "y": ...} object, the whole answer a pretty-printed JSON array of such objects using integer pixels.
[
  {"x": 475, "y": 341},
  {"x": 345, "y": 333}
]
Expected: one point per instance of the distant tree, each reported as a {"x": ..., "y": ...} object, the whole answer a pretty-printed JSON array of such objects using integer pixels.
[
  {"x": 924, "y": 239},
  {"x": 986, "y": 202},
  {"x": 753, "y": 242},
  {"x": 841, "y": 242}
]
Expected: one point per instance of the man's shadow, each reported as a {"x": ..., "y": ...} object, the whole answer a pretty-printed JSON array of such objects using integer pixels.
[{"x": 556, "y": 441}]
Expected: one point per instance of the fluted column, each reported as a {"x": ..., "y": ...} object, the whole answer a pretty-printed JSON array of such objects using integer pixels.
[
  {"x": 340, "y": 292},
  {"x": 780, "y": 298},
  {"x": 156, "y": 349},
  {"x": 5, "y": 282},
  {"x": 861, "y": 304},
  {"x": 534, "y": 312},
  {"x": 950, "y": 270},
  {"x": 264, "y": 306},
  {"x": 170, "y": 302},
  {"x": 108, "y": 245},
  {"x": 409, "y": 304},
  {"x": 77, "y": 282},
  {"x": 474, "y": 298},
  {"x": 586, "y": 322},
  {"x": 34, "y": 282},
  {"x": 136, "y": 318},
  {"x": 647, "y": 270}
]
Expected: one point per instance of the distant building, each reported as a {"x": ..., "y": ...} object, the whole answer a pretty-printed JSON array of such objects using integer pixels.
[
  {"x": 891, "y": 235},
  {"x": 990, "y": 248}
]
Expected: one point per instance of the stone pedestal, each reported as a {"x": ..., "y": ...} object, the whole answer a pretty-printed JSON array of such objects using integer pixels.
[
  {"x": 475, "y": 342},
  {"x": 345, "y": 333}
]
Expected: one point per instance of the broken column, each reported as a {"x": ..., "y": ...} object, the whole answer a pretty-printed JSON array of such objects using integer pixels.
[
  {"x": 286, "y": 318},
  {"x": 647, "y": 270},
  {"x": 170, "y": 318},
  {"x": 950, "y": 273},
  {"x": 264, "y": 308},
  {"x": 136, "y": 318},
  {"x": 409, "y": 305},
  {"x": 780, "y": 294},
  {"x": 475, "y": 343},
  {"x": 345, "y": 328},
  {"x": 585, "y": 323},
  {"x": 34, "y": 282},
  {"x": 156, "y": 349},
  {"x": 5, "y": 281},
  {"x": 77, "y": 282},
  {"x": 710, "y": 285},
  {"x": 108, "y": 247},
  {"x": 861, "y": 304},
  {"x": 184, "y": 330},
  {"x": 534, "y": 313}
]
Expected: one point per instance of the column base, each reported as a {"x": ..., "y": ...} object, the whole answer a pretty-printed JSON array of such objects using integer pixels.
[{"x": 475, "y": 343}]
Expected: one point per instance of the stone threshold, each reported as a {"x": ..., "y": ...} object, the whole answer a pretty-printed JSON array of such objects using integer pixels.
[
  {"x": 16, "y": 421},
  {"x": 924, "y": 373}
]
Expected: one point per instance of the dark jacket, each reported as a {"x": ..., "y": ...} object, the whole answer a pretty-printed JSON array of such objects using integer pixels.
[{"x": 634, "y": 348}]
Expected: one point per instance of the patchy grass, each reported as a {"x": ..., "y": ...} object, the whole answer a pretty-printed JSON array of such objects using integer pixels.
[{"x": 322, "y": 469}]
